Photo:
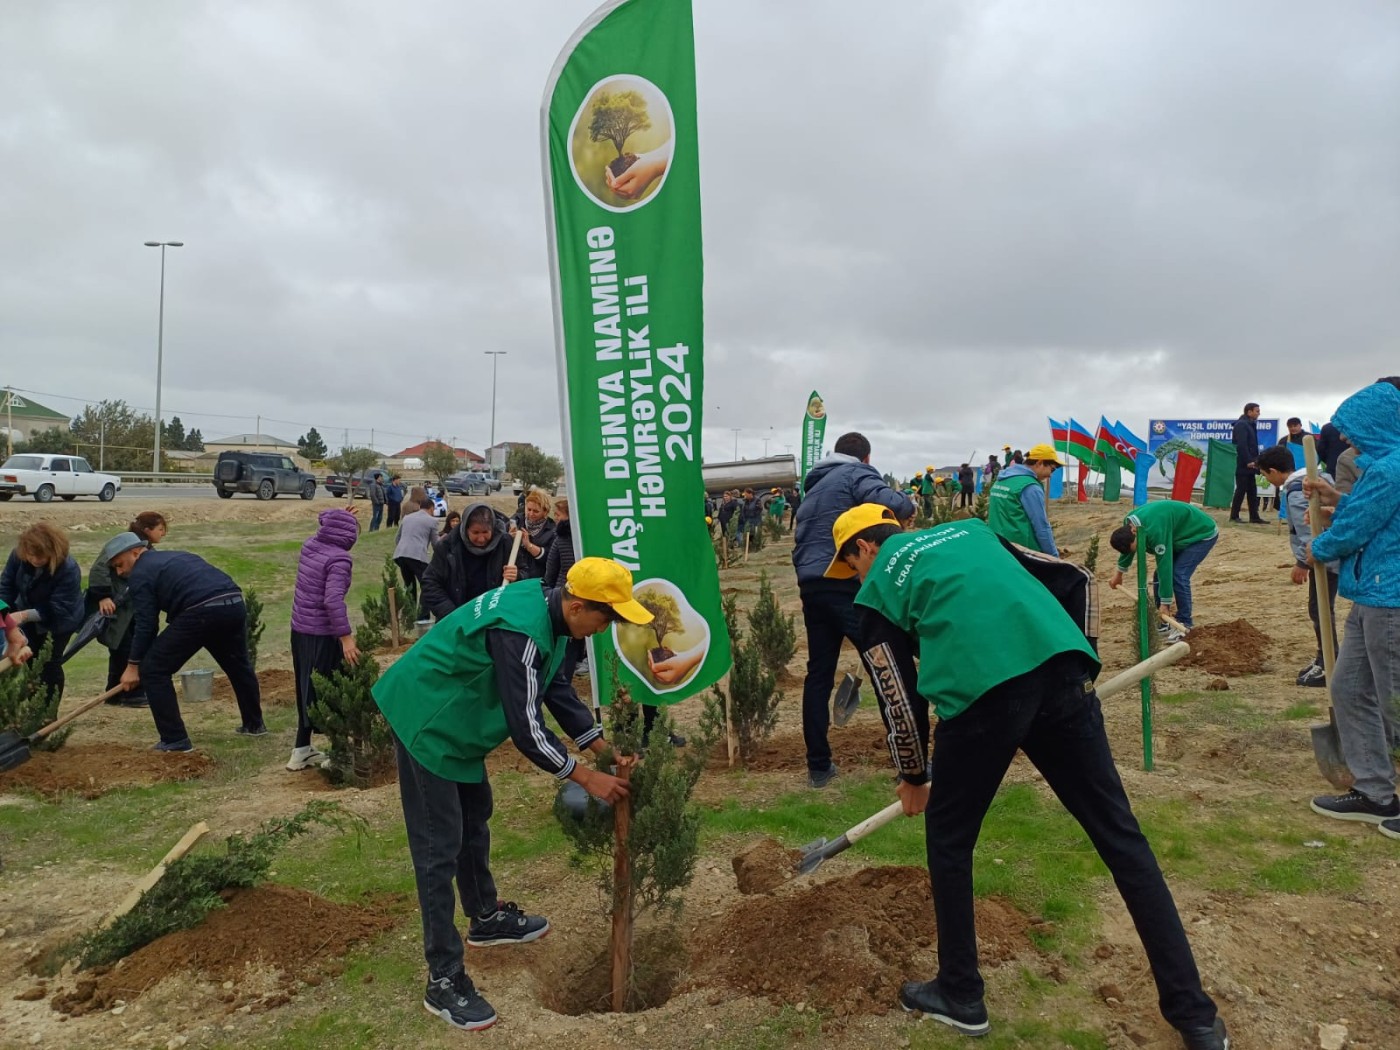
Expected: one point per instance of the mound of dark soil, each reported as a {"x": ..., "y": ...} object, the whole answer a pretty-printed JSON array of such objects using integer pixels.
[
  {"x": 297, "y": 934},
  {"x": 277, "y": 685},
  {"x": 765, "y": 866},
  {"x": 92, "y": 770},
  {"x": 1228, "y": 649},
  {"x": 844, "y": 946}
]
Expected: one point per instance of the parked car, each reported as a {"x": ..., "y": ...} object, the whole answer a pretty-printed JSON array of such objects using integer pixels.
[
  {"x": 470, "y": 483},
  {"x": 335, "y": 483},
  {"x": 265, "y": 474},
  {"x": 45, "y": 476}
]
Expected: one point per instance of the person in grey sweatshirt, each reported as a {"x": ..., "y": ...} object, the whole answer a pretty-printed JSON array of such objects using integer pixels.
[{"x": 414, "y": 548}]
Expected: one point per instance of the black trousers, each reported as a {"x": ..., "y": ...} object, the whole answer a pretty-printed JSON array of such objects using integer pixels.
[
  {"x": 117, "y": 659},
  {"x": 220, "y": 630},
  {"x": 394, "y": 510},
  {"x": 52, "y": 675},
  {"x": 965, "y": 496},
  {"x": 1246, "y": 488},
  {"x": 829, "y": 615},
  {"x": 449, "y": 837},
  {"x": 1053, "y": 715},
  {"x": 1331, "y": 604},
  {"x": 412, "y": 570},
  {"x": 311, "y": 653}
]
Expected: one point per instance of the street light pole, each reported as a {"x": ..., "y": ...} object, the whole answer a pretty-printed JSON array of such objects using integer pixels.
[
  {"x": 495, "y": 356},
  {"x": 160, "y": 341},
  {"x": 736, "y": 442}
]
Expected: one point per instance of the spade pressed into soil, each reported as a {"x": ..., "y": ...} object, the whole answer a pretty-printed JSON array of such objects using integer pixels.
[
  {"x": 1229, "y": 649},
  {"x": 92, "y": 770},
  {"x": 294, "y": 933},
  {"x": 844, "y": 945}
]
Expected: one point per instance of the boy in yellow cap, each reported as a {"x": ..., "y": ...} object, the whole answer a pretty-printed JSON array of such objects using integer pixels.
[
  {"x": 927, "y": 603},
  {"x": 480, "y": 676},
  {"x": 1016, "y": 508}
]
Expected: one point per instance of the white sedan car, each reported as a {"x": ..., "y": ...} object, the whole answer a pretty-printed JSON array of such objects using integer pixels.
[{"x": 45, "y": 476}]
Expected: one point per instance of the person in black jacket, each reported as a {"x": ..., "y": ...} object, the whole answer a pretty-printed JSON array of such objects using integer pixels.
[
  {"x": 44, "y": 586},
  {"x": 728, "y": 507},
  {"x": 967, "y": 484},
  {"x": 1330, "y": 446},
  {"x": 1246, "y": 441},
  {"x": 534, "y": 519},
  {"x": 203, "y": 610},
  {"x": 469, "y": 562}
]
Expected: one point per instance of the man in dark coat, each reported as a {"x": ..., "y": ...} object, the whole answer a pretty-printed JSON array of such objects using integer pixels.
[{"x": 1246, "y": 441}]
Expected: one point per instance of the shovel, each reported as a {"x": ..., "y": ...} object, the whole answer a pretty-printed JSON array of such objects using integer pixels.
[
  {"x": 846, "y": 700},
  {"x": 1327, "y": 744},
  {"x": 14, "y": 749},
  {"x": 816, "y": 853},
  {"x": 94, "y": 626}
]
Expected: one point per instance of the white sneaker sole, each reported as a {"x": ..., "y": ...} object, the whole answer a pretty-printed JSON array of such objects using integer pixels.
[
  {"x": 446, "y": 1015},
  {"x": 962, "y": 1026}
]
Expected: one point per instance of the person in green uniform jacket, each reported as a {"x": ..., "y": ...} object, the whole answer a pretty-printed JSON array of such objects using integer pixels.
[
  {"x": 1016, "y": 508},
  {"x": 1179, "y": 536},
  {"x": 777, "y": 506},
  {"x": 931, "y": 599},
  {"x": 926, "y": 491},
  {"x": 481, "y": 676}
]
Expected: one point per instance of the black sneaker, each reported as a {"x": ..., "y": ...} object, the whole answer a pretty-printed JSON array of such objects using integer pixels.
[
  {"x": 928, "y": 999},
  {"x": 1213, "y": 1038},
  {"x": 183, "y": 744},
  {"x": 1313, "y": 675},
  {"x": 455, "y": 1000},
  {"x": 820, "y": 778},
  {"x": 1356, "y": 806},
  {"x": 257, "y": 730},
  {"x": 509, "y": 925},
  {"x": 1389, "y": 828}
]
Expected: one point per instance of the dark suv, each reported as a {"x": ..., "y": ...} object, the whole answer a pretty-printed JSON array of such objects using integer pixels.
[
  {"x": 470, "y": 483},
  {"x": 265, "y": 474}
]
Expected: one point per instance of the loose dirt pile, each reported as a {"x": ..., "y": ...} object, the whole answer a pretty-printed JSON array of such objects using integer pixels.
[
  {"x": 1230, "y": 649},
  {"x": 765, "y": 866},
  {"x": 265, "y": 941},
  {"x": 844, "y": 946},
  {"x": 92, "y": 770}
]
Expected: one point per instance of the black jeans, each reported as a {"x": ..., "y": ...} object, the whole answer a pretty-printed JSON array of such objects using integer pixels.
[
  {"x": 412, "y": 570},
  {"x": 1332, "y": 579},
  {"x": 965, "y": 496},
  {"x": 1053, "y": 715},
  {"x": 220, "y": 630},
  {"x": 117, "y": 658},
  {"x": 394, "y": 511},
  {"x": 448, "y": 837},
  {"x": 829, "y": 615},
  {"x": 1246, "y": 488}
]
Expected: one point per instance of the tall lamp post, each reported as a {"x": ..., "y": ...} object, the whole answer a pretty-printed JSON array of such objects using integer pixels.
[
  {"x": 160, "y": 341},
  {"x": 495, "y": 356}
]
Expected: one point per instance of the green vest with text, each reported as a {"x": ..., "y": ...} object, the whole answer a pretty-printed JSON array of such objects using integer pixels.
[
  {"x": 1007, "y": 516},
  {"x": 441, "y": 697},
  {"x": 979, "y": 616}
]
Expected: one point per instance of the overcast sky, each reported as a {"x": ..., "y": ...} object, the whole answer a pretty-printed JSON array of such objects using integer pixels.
[{"x": 950, "y": 218}]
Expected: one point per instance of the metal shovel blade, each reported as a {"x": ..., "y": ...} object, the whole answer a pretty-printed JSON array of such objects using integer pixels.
[
  {"x": 846, "y": 700},
  {"x": 14, "y": 751},
  {"x": 1327, "y": 748},
  {"x": 817, "y": 853}
]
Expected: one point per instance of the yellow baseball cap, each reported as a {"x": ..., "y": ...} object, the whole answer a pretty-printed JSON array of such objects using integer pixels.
[
  {"x": 1045, "y": 453},
  {"x": 1006, "y": 446},
  {"x": 852, "y": 523},
  {"x": 604, "y": 580}
]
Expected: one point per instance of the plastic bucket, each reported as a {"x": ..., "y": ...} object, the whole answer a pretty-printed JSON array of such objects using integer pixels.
[
  {"x": 197, "y": 685},
  {"x": 420, "y": 627}
]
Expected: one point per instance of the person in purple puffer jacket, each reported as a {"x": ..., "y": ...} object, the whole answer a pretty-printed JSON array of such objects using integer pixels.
[{"x": 321, "y": 634}]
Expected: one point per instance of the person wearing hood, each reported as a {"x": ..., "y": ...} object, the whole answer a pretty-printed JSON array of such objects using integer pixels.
[
  {"x": 1365, "y": 536},
  {"x": 321, "y": 636},
  {"x": 535, "y": 519},
  {"x": 1016, "y": 507},
  {"x": 469, "y": 562},
  {"x": 842, "y": 480}
]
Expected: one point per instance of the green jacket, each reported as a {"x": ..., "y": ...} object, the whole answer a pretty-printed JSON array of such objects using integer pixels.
[
  {"x": 980, "y": 617},
  {"x": 480, "y": 677},
  {"x": 1167, "y": 526}
]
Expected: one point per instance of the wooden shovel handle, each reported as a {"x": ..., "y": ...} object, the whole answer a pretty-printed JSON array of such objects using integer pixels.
[
  {"x": 515, "y": 547},
  {"x": 82, "y": 709}
]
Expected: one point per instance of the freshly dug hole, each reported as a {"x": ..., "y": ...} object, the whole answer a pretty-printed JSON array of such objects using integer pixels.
[
  {"x": 574, "y": 974},
  {"x": 765, "y": 866}
]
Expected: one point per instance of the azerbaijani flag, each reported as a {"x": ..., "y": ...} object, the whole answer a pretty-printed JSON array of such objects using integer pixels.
[
  {"x": 1059, "y": 435},
  {"x": 1109, "y": 446},
  {"x": 1135, "y": 445},
  {"x": 1080, "y": 443}
]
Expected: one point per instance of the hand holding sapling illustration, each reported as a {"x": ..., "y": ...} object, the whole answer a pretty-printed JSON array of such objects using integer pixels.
[
  {"x": 672, "y": 670},
  {"x": 616, "y": 117},
  {"x": 645, "y": 169},
  {"x": 666, "y": 617}
]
